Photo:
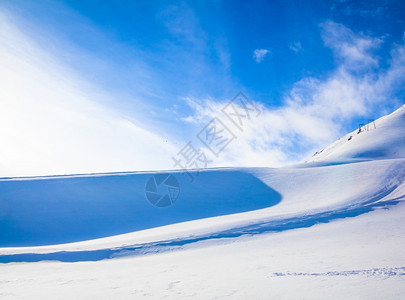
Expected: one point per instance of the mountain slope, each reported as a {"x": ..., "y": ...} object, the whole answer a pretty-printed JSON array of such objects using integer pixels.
[{"x": 383, "y": 138}]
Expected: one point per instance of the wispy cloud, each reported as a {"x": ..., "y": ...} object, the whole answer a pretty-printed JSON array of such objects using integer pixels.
[
  {"x": 52, "y": 122},
  {"x": 127, "y": 107},
  {"x": 260, "y": 54},
  {"x": 315, "y": 111},
  {"x": 296, "y": 46},
  {"x": 355, "y": 49}
]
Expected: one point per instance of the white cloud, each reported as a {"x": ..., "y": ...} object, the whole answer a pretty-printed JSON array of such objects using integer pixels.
[
  {"x": 51, "y": 123},
  {"x": 259, "y": 54},
  {"x": 315, "y": 111},
  {"x": 354, "y": 50}
]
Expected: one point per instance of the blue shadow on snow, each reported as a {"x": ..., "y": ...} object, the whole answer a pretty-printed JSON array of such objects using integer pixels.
[{"x": 70, "y": 209}]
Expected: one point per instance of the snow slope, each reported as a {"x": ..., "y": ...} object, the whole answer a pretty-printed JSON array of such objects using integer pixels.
[
  {"x": 331, "y": 227},
  {"x": 383, "y": 138}
]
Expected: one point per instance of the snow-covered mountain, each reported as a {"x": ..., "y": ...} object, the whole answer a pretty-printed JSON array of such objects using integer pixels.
[
  {"x": 380, "y": 139},
  {"x": 331, "y": 226}
]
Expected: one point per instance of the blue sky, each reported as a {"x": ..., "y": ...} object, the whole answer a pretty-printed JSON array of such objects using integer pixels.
[{"x": 315, "y": 68}]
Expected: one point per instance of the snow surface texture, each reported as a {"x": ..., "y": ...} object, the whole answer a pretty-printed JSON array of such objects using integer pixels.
[{"x": 329, "y": 228}]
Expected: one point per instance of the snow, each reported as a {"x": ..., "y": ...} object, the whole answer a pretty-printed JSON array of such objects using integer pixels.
[
  {"x": 352, "y": 258},
  {"x": 328, "y": 228},
  {"x": 380, "y": 139}
]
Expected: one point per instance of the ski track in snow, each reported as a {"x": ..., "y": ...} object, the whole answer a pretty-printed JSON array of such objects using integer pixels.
[{"x": 374, "y": 272}]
